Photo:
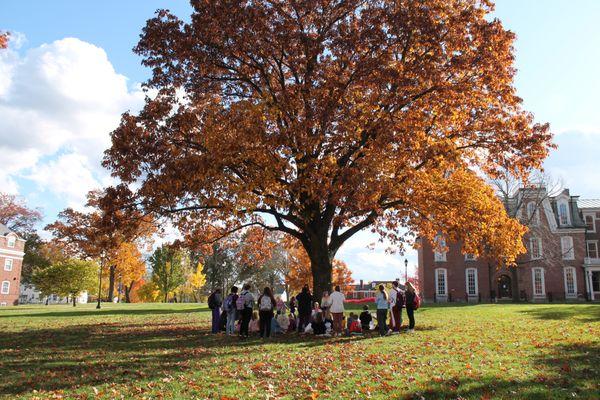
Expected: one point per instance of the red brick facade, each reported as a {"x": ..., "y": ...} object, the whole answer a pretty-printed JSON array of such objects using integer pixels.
[
  {"x": 552, "y": 269},
  {"x": 11, "y": 259}
]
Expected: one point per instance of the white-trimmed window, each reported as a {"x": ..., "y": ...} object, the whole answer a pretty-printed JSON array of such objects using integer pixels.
[
  {"x": 5, "y": 288},
  {"x": 570, "y": 282},
  {"x": 533, "y": 216},
  {"x": 592, "y": 248},
  {"x": 566, "y": 245},
  {"x": 471, "y": 282},
  {"x": 539, "y": 284},
  {"x": 470, "y": 257},
  {"x": 3, "y": 304},
  {"x": 563, "y": 214},
  {"x": 440, "y": 246},
  {"x": 441, "y": 282},
  {"x": 11, "y": 241},
  {"x": 535, "y": 248},
  {"x": 590, "y": 222},
  {"x": 8, "y": 264}
]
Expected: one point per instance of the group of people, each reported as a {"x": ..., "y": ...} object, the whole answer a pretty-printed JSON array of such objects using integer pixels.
[{"x": 236, "y": 314}]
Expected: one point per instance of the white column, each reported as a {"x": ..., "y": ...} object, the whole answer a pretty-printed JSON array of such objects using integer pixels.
[{"x": 590, "y": 285}]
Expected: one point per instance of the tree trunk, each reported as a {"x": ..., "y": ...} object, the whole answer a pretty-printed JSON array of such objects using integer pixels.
[
  {"x": 128, "y": 292},
  {"x": 166, "y": 297},
  {"x": 514, "y": 276},
  {"x": 491, "y": 282},
  {"x": 111, "y": 283},
  {"x": 74, "y": 299},
  {"x": 321, "y": 267}
]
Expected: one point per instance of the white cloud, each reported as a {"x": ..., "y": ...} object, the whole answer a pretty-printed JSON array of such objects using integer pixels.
[{"x": 58, "y": 104}]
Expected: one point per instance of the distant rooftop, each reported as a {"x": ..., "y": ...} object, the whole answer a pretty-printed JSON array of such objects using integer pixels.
[{"x": 588, "y": 203}]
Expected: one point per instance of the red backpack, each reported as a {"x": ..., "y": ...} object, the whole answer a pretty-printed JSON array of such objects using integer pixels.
[{"x": 417, "y": 302}]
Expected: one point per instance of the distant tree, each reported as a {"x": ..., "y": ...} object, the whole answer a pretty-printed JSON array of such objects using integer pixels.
[
  {"x": 129, "y": 266},
  {"x": 149, "y": 292},
  {"x": 67, "y": 278},
  {"x": 194, "y": 284},
  {"x": 39, "y": 254},
  {"x": 17, "y": 216},
  {"x": 98, "y": 233},
  {"x": 4, "y": 36},
  {"x": 168, "y": 271}
]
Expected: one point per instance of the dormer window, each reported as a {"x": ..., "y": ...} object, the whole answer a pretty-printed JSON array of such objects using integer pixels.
[
  {"x": 11, "y": 241},
  {"x": 533, "y": 216},
  {"x": 440, "y": 249},
  {"x": 563, "y": 214}
]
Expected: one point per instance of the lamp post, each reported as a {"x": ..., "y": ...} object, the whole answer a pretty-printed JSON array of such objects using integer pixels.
[
  {"x": 100, "y": 282},
  {"x": 405, "y": 270}
]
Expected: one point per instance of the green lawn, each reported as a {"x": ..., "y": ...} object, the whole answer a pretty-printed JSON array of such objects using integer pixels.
[{"x": 164, "y": 351}]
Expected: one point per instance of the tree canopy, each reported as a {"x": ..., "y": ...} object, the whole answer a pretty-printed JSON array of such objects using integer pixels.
[
  {"x": 321, "y": 118},
  {"x": 67, "y": 278}
]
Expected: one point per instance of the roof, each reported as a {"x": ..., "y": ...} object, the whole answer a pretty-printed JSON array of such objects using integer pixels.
[
  {"x": 588, "y": 203},
  {"x": 4, "y": 230}
]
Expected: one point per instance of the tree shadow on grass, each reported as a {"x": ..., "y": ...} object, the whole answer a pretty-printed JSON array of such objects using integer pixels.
[
  {"x": 579, "y": 313},
  {"x": 568, "y": 371},
  {"x": 106, "y": 312},
  {"x": 74, "y": 357}
]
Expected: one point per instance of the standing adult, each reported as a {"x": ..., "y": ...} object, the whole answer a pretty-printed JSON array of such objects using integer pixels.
[
  {"x": 304, "y": 300},
  {"x": 245, "y": 304},
  {"x": 214, "y": 303},
  {"x": 396, "y": 299},
  {"x": 381, "y": 299},
  {"x": 230, "y": 308},
  {"x": 337, "y": 299},
  {"x": 266, "y": 304},
  {"x": 411, "y": 304}
]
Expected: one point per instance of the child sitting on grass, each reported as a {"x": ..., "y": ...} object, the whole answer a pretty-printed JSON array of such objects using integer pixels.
[
  {"x": 254, "y": 325},
  {"x": 365, "y": 319},
  {"x": 318, "y": 325}
]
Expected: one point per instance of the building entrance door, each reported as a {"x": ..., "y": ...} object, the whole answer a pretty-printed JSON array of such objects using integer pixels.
[
  {"x": 596, "y": 284},
  {"x": 504, "y": 287}
]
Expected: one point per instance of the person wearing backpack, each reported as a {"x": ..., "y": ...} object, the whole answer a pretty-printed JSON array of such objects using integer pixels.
[
  {"x": 245, "y": 304},
  {"x": 412, "y": 302},
  {"x": 304, "y": 300},
  {"x": 214, "y": 303},
  {"x": 266, "y": 304},
  {"x": 381, "y": 299},
  {"x": 231, "y": 309}
]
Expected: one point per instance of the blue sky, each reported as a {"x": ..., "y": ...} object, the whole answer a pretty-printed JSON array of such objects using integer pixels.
[{"x": 70, "y": 73}]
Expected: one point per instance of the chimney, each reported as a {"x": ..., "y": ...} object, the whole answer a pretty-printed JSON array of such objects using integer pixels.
[{"x": 361, "y": 284}]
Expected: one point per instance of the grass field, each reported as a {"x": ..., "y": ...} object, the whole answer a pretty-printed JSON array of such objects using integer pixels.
[{"x": 521, "y": 351}]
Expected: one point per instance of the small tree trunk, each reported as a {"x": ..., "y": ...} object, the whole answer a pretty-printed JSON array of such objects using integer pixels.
[
  {"x": 74, "y": 299},
  {"x": 111, "y": 283},
  {"x": 166, "y": 297},
  {"x": 321, "y": 267},
  {"x": 128, "y": 292}
]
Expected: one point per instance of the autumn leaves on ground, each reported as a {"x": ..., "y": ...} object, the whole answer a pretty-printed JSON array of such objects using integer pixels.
[{"x": 154, "y": 350}]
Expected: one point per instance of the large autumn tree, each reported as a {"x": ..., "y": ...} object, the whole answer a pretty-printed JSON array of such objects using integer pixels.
[{"x": 321, "y": 118}]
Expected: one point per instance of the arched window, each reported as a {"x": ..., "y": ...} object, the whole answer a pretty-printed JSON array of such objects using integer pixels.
[
  {"x": 535, "y": 248},
  {"x": 441, "y": 282},
  {"x": 471, "y": 281},
  {"x": 8, "y": 264},
  {"x": 533, "y": 215},
  {"x": 5, "y": 287},
  {"x": 440, "y": 248},
  {"x": 570, "y": 282},
  {"x": 566, "y": 245}
]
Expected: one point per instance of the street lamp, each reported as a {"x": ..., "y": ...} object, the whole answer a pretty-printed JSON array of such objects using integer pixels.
[
  {"x": 100, "y": 282},
  {"x": 405, "y": 270}
]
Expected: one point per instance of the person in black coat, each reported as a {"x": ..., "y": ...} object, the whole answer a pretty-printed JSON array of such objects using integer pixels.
[{"x": 304, "y": 300}]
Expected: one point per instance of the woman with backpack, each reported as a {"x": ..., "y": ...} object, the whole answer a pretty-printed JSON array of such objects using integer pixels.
[
  {"x": 412, "y": 301},
  {"x": 382, "y": 310},
  {"x": 266, "y": 304},
  {"x": 214, "y": 303},
  {"x": 231, "y": 309},
  {"x": 244, "y": 305}
]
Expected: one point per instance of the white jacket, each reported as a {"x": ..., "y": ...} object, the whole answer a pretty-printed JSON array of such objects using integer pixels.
[
  {"x": 392, "y": 296},
  {"x": 337, "y": 302}
]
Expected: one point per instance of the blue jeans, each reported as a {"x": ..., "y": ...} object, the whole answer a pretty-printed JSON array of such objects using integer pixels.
[
  {"x": 216, "y": 319},
  {"x": 230, "y": 328}
]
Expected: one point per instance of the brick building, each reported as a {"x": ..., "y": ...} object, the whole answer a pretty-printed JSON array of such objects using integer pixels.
[
  {"x": 11, "y": 258},
  {"x": 562, "y": 260}
]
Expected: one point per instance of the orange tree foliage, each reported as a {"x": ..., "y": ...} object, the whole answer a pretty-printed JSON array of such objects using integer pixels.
[
  {"x": 99, "y": 233},
  {"x": 299, "y": 271},
  {"x": 3, "y": 40},
  {"x": 321, "y": 118},
  {"x": 129, "y": 266}
]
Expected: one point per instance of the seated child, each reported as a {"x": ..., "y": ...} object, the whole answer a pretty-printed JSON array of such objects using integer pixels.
[
  {"x": 254, "y": 325},
  {"x": 354, "y": 324},
  {"x": 318, "y": 325},
  {"x": 293, "y": 326},
  {"x": 328, "y": 322},
  {"x": 275, "y": 327},
  {"x": 365, "y": 319},
  {"x": 315, "y": 311},
  {"x": 283, "y": 320}
]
